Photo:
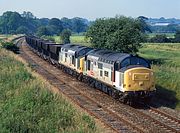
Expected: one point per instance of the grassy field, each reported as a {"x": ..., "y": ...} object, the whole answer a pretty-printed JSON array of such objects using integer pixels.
[
  {"x": 165, "y": 59},
  {"x": 81, "y": 40},
  {"x": 26, "y": 105}
]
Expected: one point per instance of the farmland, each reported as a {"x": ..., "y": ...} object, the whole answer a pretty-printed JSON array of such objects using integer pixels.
[
  {"x": 81, "y": 40},
  {"x": 27, "y": 105}
]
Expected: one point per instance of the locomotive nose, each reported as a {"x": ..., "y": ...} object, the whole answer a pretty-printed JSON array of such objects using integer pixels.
[{"x": 139, "y": 79}]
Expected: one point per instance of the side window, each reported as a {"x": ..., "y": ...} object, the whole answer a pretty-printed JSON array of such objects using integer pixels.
[
  {"x": 106, "y": 73},
  {"x": 78, "y": 63},
  {"x": 65, "y": 54},
  {"x": 100, "y": 65},
  {"x": 88, "y": 64},
  {"x": 101, "y": 73},
  {"x": 125, "y": 63},
  {"x": 73, "y": 60},
  {"x": 95, "y": 63}
]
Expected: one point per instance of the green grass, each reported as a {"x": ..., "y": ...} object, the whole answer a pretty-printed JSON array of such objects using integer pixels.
[
  {"x": 81, "y": 40},
  {"x": 26, "y": 105},
  {"x": 165, "y": 60}
]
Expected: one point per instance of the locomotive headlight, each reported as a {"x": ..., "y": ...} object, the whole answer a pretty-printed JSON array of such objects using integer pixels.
[{"x": 129, "y": 74}]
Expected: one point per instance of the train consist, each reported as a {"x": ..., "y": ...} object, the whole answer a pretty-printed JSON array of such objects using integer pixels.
[{"x": 125, "y": 77}]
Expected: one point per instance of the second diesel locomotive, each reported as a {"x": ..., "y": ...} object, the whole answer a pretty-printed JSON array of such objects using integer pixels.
[{"x": 123, "y": 76}]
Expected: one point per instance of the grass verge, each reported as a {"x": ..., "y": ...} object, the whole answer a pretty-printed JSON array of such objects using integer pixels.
[
  {"x": 165, "y": 59},
  {"x": 26, "y": 105}
]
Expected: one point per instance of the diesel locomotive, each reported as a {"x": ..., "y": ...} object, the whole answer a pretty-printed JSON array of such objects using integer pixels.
[{"x": 126, "y": 77}]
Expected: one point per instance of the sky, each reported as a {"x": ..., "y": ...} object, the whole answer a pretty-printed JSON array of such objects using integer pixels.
[{"x": 92, "y": 9}]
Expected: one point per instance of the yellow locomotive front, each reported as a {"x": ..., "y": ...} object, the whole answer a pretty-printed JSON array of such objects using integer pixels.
[
  {"x": 137, "y": 80},
  {"x": 139, "y": 84}
]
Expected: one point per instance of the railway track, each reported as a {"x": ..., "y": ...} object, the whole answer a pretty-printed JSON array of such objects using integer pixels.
[
  {"x": 108, "y": 117},
  {"x": 116, "y": 116},
  {"x": 166, "y": 121}
]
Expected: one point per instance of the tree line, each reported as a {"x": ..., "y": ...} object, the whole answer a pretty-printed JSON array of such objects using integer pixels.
[
  {"x": 122, "y": 34},
  {"x": 27, "y": 23}
]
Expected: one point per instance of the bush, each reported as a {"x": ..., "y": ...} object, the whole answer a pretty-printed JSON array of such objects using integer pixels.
[
  {"x": 10, "y": 46},
  {"x": 65, "y": 36},
  {"x": 177, "y": 37}
]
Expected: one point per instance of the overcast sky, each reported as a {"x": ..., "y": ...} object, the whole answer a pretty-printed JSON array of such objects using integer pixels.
[{"x": 92, "y": 9}]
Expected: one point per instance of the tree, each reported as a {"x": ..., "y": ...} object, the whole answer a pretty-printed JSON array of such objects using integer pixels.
[
  {"x": 144, "y": 26},
  {"x": 65, "y": 36},
  {"x": 22, "y": 30},
  {"x": 43, "y": 30},
  {"x": 10, "y": 21},
  {"x": 67, "y": 23},
  {"x": 27, "y": 15},
  {"x": 56, "y": 25},
  {"x": 119, "y": 34},
  {"x": 177, "y": 37},
  {"x": 78, "y": 25}
]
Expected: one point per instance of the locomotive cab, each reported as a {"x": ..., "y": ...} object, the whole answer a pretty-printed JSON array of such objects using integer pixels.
[{"x": 136, "y": 79}]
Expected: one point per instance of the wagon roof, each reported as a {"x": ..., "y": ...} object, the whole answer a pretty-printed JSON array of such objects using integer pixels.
[
  {"x": 49, "y": 43},
  {"x": 56, "y": 45}
]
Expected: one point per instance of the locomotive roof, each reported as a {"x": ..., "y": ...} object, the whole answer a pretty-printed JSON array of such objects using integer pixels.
[
  {"x": 74, "y": 47},
  {"x": 108, "y": 55}
]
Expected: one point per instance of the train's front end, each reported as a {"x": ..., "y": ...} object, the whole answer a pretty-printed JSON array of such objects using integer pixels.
[
  {"x": 137, "y": 80},
  {"x": 139, "y": 83}
]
